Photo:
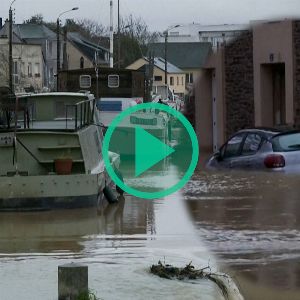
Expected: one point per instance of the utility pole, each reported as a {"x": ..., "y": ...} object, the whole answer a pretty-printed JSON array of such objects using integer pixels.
[
  {"x": 57, "y": 53},
  {"x": 10, "y": 59},
  {"x": 111, "y": 48},
  {"x": 166, "y": 56},
  {"x": 119, "y": 41},
  {"x": 58, "y": 44}
]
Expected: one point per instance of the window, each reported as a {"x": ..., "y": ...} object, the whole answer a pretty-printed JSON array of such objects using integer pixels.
[
  {"x": 50, "y": 48},
  {"x": 113, "y": 81},
  {"x": 286, "y": 142},
  {"x": 157, "y": 78},
  {"x": 15, "y": 67},
  {"x": 62, "y": 110},
  {"x": 189, "y": 78},
  {"x": 81, "y": 62},
  {"x": 85, "y": 81},
  {"x": 15, "y": 72},
  {"x": 182, "y": 81},
  {"x": 232, "y": 148},
  {"x": 177, "y": 80},
  {"x": 22, "y": 69},
  {"x": 37, "y": 70},
  {"x": 171, "y": 80},
  {"x": 29, "y": 69},
  {"x": 251, "y": 144}
]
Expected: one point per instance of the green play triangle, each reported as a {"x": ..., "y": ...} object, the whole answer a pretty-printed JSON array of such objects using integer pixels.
[{"x": 149, "y": 150}]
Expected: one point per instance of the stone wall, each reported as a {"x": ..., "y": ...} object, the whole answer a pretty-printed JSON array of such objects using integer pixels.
[
  {"x": 296, "y": 40},
  {"x": 239, "y": 84}
]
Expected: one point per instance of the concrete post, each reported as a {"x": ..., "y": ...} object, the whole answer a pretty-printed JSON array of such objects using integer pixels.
[{"x": 72, "y": 281}]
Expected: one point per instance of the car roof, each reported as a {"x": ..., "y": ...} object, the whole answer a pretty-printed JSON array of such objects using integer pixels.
[
  {"x": 268, "y": 132},
  {"x": 287, "y": 132}
]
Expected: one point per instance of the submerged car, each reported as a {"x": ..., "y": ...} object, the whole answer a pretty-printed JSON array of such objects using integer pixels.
[{"x": 259, "y": 149}]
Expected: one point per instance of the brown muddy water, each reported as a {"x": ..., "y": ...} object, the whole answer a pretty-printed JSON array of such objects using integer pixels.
[
  {"x": 251, "y": 222},
  {"x": 246, "y": 224}
]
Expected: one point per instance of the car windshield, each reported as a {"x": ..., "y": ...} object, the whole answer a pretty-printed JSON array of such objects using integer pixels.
[{"x": 286, "y": 142}]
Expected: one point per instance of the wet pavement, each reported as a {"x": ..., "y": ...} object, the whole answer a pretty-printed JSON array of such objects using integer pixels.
[{"x": 246, "y": 224}]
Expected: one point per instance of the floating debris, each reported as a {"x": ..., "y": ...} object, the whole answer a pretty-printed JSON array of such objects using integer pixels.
[{"x": 190, "y": 273}]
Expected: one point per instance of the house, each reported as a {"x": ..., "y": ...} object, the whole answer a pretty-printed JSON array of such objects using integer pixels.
[
  {"x": 81, "y": 53},
  {"x": 27, "y": 64},
  {"x": 253, "y": 81},
  {"x": 214, "y": 34},
  {"x": 40, "y": 36},
  {"x": 189, "y": 57},
  {"x": 175, "y": 76}
]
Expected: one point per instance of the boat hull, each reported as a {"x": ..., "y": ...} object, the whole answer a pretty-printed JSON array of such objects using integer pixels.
[{"x": 50, "y": 191}]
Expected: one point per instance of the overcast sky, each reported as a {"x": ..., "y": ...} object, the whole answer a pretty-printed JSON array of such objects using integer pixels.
[{"x": 159, "y": 14}]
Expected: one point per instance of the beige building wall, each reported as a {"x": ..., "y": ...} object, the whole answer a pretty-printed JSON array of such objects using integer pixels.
[
  {"x": 272, "y": 44},
  {"x": 73, "y": 57},
  {"x": 28, "y": 66},
  {"x": 176, "y": 81},
  {"x": 210, "y": 85}
]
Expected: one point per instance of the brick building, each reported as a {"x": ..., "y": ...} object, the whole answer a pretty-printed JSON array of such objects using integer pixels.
[{"x": 253, "y": 81}]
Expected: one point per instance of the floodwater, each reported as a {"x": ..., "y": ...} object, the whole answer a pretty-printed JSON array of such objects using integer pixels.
[
  {"x": 246, "y": 224},
  {"x": 251, "y": 221}
]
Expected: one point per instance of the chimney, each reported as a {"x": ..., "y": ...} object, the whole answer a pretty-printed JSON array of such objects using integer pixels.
[{"x": 1, "y": 23}]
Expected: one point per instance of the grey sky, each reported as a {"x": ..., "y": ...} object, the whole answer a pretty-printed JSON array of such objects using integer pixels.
[{"x": 159, "y": 14}]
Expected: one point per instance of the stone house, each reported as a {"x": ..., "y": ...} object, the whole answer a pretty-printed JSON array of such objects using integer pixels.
[
  {"x": 250, "y": 82},
  {"x": 175, "y": 76}
]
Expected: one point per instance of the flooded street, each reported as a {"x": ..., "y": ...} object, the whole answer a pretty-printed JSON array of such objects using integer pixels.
[
  {"x": 251, "y": 222},
  {"x": 246, "y": 224}
]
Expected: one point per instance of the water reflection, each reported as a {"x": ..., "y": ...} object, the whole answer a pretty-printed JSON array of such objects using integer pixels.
[
  {"x": 118, "y": 242},
  {"x": 252, "y": 222}
]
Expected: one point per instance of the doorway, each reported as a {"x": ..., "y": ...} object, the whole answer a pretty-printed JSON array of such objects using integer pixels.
[{"x": 273, "y": 101}]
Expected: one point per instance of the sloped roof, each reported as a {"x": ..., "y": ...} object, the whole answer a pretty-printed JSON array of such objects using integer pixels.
[
  {"x": 160, "y": 63},
  {"x": 4, "y": 33},
  {"x": 86, "y": 47},
  {"x": 33, "y": 31},
  {"x": 184, "y": 55}
]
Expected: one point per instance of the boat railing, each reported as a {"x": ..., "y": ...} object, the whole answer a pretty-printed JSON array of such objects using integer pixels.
[{"x": 82, "y": 113}]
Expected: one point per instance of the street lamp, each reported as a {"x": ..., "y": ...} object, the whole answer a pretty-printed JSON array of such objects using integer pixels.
[
  {"x": 58, "y": 43},
  {"x": 10, "y": 58},
  {"x": 166, "y": 34}
]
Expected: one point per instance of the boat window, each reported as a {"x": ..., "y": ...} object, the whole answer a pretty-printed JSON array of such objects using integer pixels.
[
  {"x": 85, "y": 81},
  {"x": 61, "y": 109},
  {"x": 251, "y": 144},
  {"x": 113, "y": 81}
]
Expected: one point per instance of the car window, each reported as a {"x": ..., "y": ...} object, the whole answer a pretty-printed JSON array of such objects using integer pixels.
[
  {"x": 233, "y": 145},
  {"x": 286, "y": 142},
  {"x": 251, "y": 144}
]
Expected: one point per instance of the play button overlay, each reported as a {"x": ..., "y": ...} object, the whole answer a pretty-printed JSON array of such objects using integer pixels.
[
  {"x": 146, "y": 157},
  {"x": 158, "y": 149}
]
